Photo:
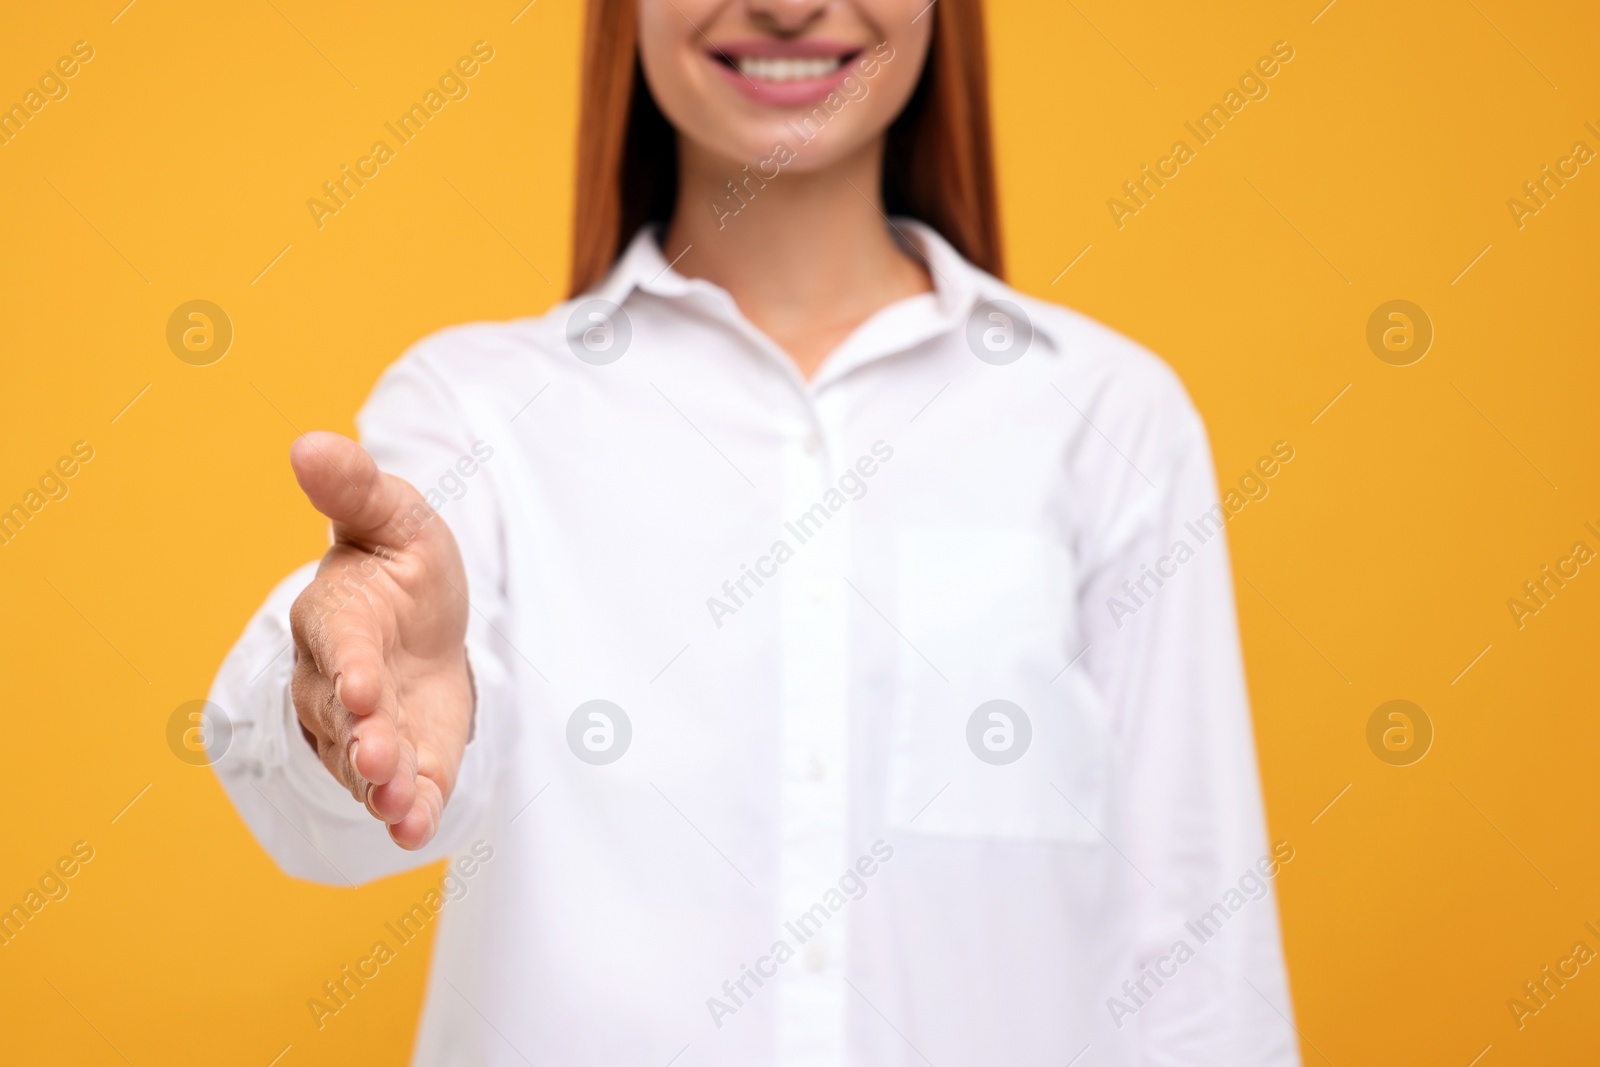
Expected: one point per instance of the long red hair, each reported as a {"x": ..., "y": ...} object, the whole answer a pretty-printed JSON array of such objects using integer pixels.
[{"x": 939, "y": 164}]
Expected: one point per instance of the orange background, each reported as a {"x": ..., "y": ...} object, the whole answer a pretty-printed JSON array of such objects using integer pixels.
[{"x": 1378, "y": 168}]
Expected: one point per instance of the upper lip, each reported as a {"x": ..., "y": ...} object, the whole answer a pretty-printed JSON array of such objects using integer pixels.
[{"x": 773, "y": 48}]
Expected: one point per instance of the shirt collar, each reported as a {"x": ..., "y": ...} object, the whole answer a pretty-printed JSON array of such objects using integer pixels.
[
  {"x": 958, "y": 287},
  {"x": 641, "y": 266}
]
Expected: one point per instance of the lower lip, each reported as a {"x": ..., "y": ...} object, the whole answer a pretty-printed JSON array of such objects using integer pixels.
[{"x": 797, "y": 93}]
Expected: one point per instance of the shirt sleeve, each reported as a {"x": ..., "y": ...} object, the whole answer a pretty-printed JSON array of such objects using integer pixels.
[
  {"x": 1163, "y": 650},
  {"x": 309, "y": 823}
]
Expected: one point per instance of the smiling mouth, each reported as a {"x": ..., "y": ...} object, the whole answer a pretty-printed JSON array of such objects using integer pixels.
[{"x": 780, "y": 69}]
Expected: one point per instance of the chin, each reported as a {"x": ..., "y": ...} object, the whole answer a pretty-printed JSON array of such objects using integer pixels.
[{"x": 789, "y": 145}]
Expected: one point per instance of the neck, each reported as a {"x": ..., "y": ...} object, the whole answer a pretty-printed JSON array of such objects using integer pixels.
[{"x": 807, "y": 257}]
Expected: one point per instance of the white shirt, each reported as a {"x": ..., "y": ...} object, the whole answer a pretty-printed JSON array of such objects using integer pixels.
[{"x": 809, "y": 838}]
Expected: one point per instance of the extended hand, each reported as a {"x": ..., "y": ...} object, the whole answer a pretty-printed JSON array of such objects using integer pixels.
[{"x": 381, "y": 683}]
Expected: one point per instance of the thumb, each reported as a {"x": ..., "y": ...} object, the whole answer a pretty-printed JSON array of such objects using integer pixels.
[{"x": 342, "y": 480}]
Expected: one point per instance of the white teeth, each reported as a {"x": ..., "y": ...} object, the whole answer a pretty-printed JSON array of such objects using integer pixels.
[{"x": 776, "y": 69}]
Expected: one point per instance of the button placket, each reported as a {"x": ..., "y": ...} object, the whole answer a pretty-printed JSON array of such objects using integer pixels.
[{"x": 811, "y": 1000}]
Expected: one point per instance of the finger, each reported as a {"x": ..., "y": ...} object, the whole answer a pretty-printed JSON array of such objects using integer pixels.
[
  {"x": 342, "y": 481},
  {"x": 391, "y": 800},
  {"x": 359, "y": 751},
  {"x": 335, "y": 755},
  {"x": 343, "y": 638},
  {"x": 331, "y": 726},
  {"x": 379, "y": 757},
  {"x": 422, "y": 821},
  {"x": 313, "y": 698},
  {"x": 345, "y": 748}
]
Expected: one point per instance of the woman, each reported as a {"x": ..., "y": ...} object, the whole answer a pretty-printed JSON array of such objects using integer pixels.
[{"x": 783, "y": 637}]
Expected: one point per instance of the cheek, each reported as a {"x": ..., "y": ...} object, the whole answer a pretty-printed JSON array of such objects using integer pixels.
[
  {"x": 900, "y": 61},
  {"x": 654, "y": 44},
  {"x": 668, "y": 51}
]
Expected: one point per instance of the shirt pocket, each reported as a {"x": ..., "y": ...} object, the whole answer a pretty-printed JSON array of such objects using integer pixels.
[{"x": 990, "y": 738}]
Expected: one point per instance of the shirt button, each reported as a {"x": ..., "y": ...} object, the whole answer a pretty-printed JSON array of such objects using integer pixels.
[
  {"x": 818, "y": 767},
  {"x": 819, "y": 591},
  {"x": 812, "y": 444},
  {"x": 816, "y": 956}
]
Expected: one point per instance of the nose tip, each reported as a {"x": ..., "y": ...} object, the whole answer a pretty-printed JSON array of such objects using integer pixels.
[{"x": 786, "y": 16}]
